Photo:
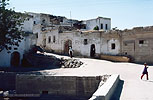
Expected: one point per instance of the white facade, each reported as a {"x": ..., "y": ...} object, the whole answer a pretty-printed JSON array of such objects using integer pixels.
[
  {"x": 52, "y": 40},
  {"x": 102, "y": 45},
  {"x": 43, "y": 30},
  {"x": 24, "y": 46},
  {"x": 102, "y": 23}
]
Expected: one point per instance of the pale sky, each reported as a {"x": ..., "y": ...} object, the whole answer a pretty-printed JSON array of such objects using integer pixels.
[{"x": 123, "y": 13}]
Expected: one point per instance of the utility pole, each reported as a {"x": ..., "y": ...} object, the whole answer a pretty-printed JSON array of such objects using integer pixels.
[{"x": 70, "y": 19}]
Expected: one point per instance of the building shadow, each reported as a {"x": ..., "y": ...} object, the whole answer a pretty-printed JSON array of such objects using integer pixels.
[{"x": 118, "y": 91}]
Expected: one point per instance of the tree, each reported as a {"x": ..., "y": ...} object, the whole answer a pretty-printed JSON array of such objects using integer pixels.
[
  {"x": 10, "y": 26},
  {"x": 96, "y": 28}
]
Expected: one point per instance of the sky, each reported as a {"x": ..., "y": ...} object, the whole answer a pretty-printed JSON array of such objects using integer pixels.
[{"x": 124, "y": 14}]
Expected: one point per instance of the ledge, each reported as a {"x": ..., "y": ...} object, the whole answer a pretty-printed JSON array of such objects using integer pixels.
[{"x": 106, "y": 91}]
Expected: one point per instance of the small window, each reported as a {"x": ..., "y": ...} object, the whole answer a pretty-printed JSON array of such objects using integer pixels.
[
  {"x": 15, "y": 48},
  {"x": 34, "y": 22},
  {"x": 54, "y": 39},
  {"x": 43, "y": 20},
  {"x": 141, "y": 41},
  {"x": 101, "y": 26},
  {"x": 106, "y": 27},
  {"x": 125, "y": 44},
  {"x": 49, "y": 39},
  {"x": 37, "y": 35},
  {"x": 9, "y": 48},
  {"x": 113, "y": 46},
  {"x": 85, "y": 41},
  {"x": 44, "y": 92}
]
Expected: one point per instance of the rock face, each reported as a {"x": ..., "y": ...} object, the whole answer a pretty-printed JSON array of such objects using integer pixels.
[
  {"x": 70, "y": 63},
  {"x": 41, "y": 60}
]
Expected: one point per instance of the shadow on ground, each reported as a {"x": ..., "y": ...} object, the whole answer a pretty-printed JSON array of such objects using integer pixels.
[
  {"x": 26, "y": 69},
  {"x": 118, "y": 91}
]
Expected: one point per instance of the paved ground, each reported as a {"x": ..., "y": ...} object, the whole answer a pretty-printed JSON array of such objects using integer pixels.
[{"x": 133, "y": 87}]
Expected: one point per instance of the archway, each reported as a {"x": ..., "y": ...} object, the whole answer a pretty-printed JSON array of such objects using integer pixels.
[
  {"x": 67, "y": 44},
  {"x": 15, "y": 59},
  {"x": 92, "y": 50}
]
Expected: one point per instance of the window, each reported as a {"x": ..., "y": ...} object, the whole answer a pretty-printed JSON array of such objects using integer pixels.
[
  {"x": 37, "y": 35},
  {"x": 113, "y": 46},
  {"x": 54, "y": 39},
  {"x": 85, "y": 41},
  {"x": 106, "y": 26},
  {"x": 141, "y": 41},
  {"x": 34, "y": 22},
  {"x": 44, "y": 92},
  {"x": 43, "y": 21},
  {"x": 15, "y": 48},
  {"x": 9, "y": 48},
  {"x": 125, "y": 44},
  {"x": 101, "y": 26},
  {"x": 49, "y": 39}
]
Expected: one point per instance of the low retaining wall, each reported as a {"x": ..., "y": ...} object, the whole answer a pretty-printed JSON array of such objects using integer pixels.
[
  {"x": 7, "y": 81},
  {"x": 115, "y": 58},
  {"x": 106, "y": 91},
  {"x": 57, "y": 85}
]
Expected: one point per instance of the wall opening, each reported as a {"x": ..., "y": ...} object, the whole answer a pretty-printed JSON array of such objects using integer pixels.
[
  {"x": 54, "y": 39},
  {"x": 101, "y": 26},
  {"x": 113, "y": 46},
  {"x": 92, "y": 50},
  {"x": 67, "y": 44},
  {"x": 141, "y": 41},
  {"x": 106, "y": 26},
  {"x": 49, "y": 39},
  {"x": 85, "y": 41},
  {"x": 15, "y": 59},
  {"x": 44, "y": 92}
]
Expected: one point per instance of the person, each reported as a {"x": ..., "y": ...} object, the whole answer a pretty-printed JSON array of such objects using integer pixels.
[
  {"x": 145, "y": 71},
  {"x": 70, "y": 52}
]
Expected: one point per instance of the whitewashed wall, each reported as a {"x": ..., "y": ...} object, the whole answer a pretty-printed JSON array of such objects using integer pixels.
[
  {"x": 102, "y": 45},
  {"x": 90, "y": 24},
  {"x": 5, "y": 58},
  {"x": 117, "y": 46}
]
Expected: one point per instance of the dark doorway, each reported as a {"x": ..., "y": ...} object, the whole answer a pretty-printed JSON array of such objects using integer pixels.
[
  {"x": 67, "y": 44},
  {"x": 92, "y": 50},
  {"x": 15, "y": 59}
]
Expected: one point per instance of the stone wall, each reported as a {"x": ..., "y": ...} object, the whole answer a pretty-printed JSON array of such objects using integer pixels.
[
  {"x": 137, "y": 43},
  {"x": 57, "y": 85},
  {"x": 7, "y": 81}
]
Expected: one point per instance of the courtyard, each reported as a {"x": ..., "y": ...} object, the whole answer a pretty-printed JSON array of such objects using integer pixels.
[{"x": 133, "y": 87}]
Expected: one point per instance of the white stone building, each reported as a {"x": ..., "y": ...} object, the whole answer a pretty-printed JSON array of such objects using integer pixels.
[
  {"x": 56, "y": 34},
  {"x": 14, "y": 56},
  {"x": 101, "y": 22}
]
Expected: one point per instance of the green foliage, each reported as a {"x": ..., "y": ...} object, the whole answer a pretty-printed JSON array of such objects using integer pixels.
[
  {"x": 96, "y": 28},
  {"x": 10, "y": 26}
]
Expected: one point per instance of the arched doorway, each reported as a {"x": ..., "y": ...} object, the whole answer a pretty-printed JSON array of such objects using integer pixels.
[
  {"x": 67, "y": 44},
  {"x": 92, "y": 50},
  {"x": 15, "y": 59}
]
